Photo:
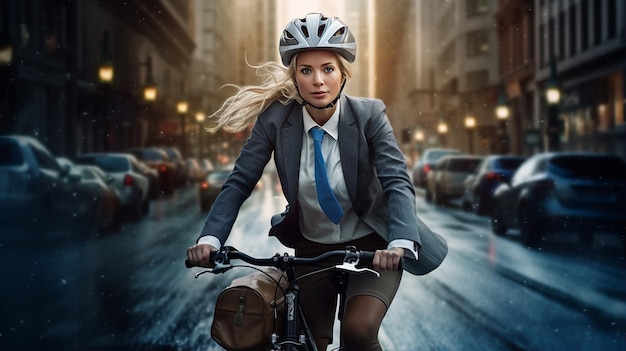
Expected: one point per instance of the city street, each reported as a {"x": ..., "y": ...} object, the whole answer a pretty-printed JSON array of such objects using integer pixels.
[{"x": 129, "y": 290}]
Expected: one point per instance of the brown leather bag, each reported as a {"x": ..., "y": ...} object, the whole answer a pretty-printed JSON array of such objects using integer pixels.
[{"x": 249, "y": 310}]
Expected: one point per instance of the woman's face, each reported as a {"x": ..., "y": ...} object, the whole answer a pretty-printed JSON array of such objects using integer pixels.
[{"x": 318, "y": 76}]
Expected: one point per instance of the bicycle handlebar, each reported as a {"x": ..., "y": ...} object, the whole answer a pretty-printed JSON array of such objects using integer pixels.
[{"x": 221, "y": 259}]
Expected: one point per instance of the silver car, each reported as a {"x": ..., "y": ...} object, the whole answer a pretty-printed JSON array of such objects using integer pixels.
[
  {"x": 127, "y": 177},
  {"x": 37, "y": 195},
  {"x": 446, "y": 180},
  {"x": 425, "y": 164}
]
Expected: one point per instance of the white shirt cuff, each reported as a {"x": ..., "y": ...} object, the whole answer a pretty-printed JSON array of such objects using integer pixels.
[
  {"x": 408, "y": 246},
  {"x": 211, "y": 240}
]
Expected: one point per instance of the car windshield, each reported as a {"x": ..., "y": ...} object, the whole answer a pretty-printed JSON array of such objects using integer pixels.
[
  {"x": 10, "y": 154},
  {"x": 151, "y": 155},
  {"x": 173, "y": 155},
  {"x": 108, "y": 163},
  {"x": 437, "y": 154},
  {"x": 589, "y": 167},
  {"x": 510, "y": 164},
  {"x": 463, "y": 165}
]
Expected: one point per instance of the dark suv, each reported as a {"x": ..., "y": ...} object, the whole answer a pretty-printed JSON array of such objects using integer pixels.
[{"x": 574, "y": 192}]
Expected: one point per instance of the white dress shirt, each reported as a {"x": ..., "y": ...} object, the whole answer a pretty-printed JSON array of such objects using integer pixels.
[{"x": 314, "y": 224}]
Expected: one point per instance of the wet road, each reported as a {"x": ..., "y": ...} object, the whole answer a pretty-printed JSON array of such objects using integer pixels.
[{"x": 130, "y": 291}]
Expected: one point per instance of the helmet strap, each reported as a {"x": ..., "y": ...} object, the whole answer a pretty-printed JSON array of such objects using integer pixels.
[{"x": 330, "y": 105}]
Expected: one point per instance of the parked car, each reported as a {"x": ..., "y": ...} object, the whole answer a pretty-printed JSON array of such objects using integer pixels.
[
  {"x": 206, "y": 166},
  {"x": 128, "y": 179},
  {"x": 159, "y": 160},
  {"x": 153, "y": 179},
  {"x": 106, "y": 197},
  {"x": 86, "y": 216},
  {"x": 579, "y": 192},
  {"x": 211, "y": 187},
  {"x": 176, "y": 158},
  {"x": 194, "y": 171},
  {"x": 445, "y": 182},
  {"x": 492, "y": 171},
  {"x": 37, "y": 195},
  {"x": 426, "y": 162}
]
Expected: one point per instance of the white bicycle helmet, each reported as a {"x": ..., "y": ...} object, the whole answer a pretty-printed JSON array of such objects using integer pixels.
[{"x": 316, "y": 32}]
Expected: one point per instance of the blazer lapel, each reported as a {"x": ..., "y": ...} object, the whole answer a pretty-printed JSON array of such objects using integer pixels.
[
  {"x": 291, "y": 138},
  {"x": 348, "y": 148}
]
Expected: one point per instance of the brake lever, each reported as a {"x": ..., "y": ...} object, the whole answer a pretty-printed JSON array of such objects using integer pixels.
[
  {"x": 219, "y": 267},
  {"x": 351, "y": 267}
]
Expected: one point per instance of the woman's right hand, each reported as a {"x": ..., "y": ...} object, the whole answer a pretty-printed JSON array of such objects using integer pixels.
[{"x": 200, "y": 254}]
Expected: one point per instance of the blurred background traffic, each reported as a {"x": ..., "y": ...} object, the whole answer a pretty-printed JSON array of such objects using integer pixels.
[
  {"x": 511, "y": 114},
  {"x": 482, "y": 77}
]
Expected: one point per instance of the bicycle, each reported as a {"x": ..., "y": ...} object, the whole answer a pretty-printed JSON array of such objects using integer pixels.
[{"x": 296, "y": 335}]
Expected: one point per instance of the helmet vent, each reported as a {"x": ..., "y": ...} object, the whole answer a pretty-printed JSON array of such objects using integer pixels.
[
  {"x": 287, "y": 35},
  {"x": 320, "y": 30},
  {"x": 305, "y": 31},
  {"x": 340, "y": 32}
]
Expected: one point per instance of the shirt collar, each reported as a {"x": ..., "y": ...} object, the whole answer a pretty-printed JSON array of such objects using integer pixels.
[{"x": 331, "y": 127}]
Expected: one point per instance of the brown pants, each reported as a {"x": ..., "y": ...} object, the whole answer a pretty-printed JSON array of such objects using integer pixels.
[{"x": 318, "y": 294}]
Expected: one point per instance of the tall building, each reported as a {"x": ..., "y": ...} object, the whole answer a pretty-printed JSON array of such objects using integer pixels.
[
  {"x": 466, "y": 73},
  {"x": 53, "y": 90},
  {"x": 581, "y": 45},
  {"x": 394, "y": 65},
  {"x": 516, "y": 44}
]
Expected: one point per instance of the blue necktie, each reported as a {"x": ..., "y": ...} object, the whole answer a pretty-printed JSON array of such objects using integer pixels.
[{"x": 325, "y": 194}]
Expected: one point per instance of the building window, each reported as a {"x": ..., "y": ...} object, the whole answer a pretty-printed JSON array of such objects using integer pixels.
[
  {"x": 612, "y": 19},
  {"x": 209, "y": 18},
  {"x": 584, "y": 25},
  {"x": 597, "y": 22},
  {"x": 572, "y": 30},
  {"x": 208, "y": 40},
  {"x": 551, "y": 38},
  {"x": 561, "y": 27},
  {"x": 477, "y": 79},
  {"x": 477, "y": 43},
  {"x": 477, "y": 8},
  {"x": 53, "y": 39},
  {"x": 616, "y": 97},
  {"x": 542, "y": 45}
]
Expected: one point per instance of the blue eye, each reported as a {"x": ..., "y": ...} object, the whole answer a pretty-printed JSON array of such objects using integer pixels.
[
  {"x": 305, "y": 71},
  {"x": 329, "y": 69}
]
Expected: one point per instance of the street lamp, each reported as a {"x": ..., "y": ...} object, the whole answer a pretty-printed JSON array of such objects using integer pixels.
[
  {"x": 182, "y": 106},
  {"x": 150, "y": 90},
  {"x": 553, "y": 97},
  {"x": 105, "y": 71},
  {"x": 200, "y": 117},
  {"x": 502, "y": 114},
  {"x": 105, "y": 75},
  {"x": 470, "y": 124},
  {"x": 418, "y": 136},
  {"x": 442, "y": 128}
]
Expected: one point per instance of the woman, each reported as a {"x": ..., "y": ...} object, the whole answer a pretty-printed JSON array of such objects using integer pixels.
[{"x": 373, "y": 198}]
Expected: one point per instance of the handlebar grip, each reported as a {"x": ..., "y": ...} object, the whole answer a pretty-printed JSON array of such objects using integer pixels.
[
  {"x": 366, "y": 258},
  {"x": 188, "y": 264}
]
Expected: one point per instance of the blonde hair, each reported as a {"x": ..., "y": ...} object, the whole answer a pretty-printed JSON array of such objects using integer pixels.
[{"x": 243, "y": 108}]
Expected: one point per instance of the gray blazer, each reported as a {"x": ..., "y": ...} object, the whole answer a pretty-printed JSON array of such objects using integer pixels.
[{"x": 374, "y": 169}]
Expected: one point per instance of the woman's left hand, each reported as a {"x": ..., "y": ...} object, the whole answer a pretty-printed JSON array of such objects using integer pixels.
[{"x": 388, "y": 259}]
